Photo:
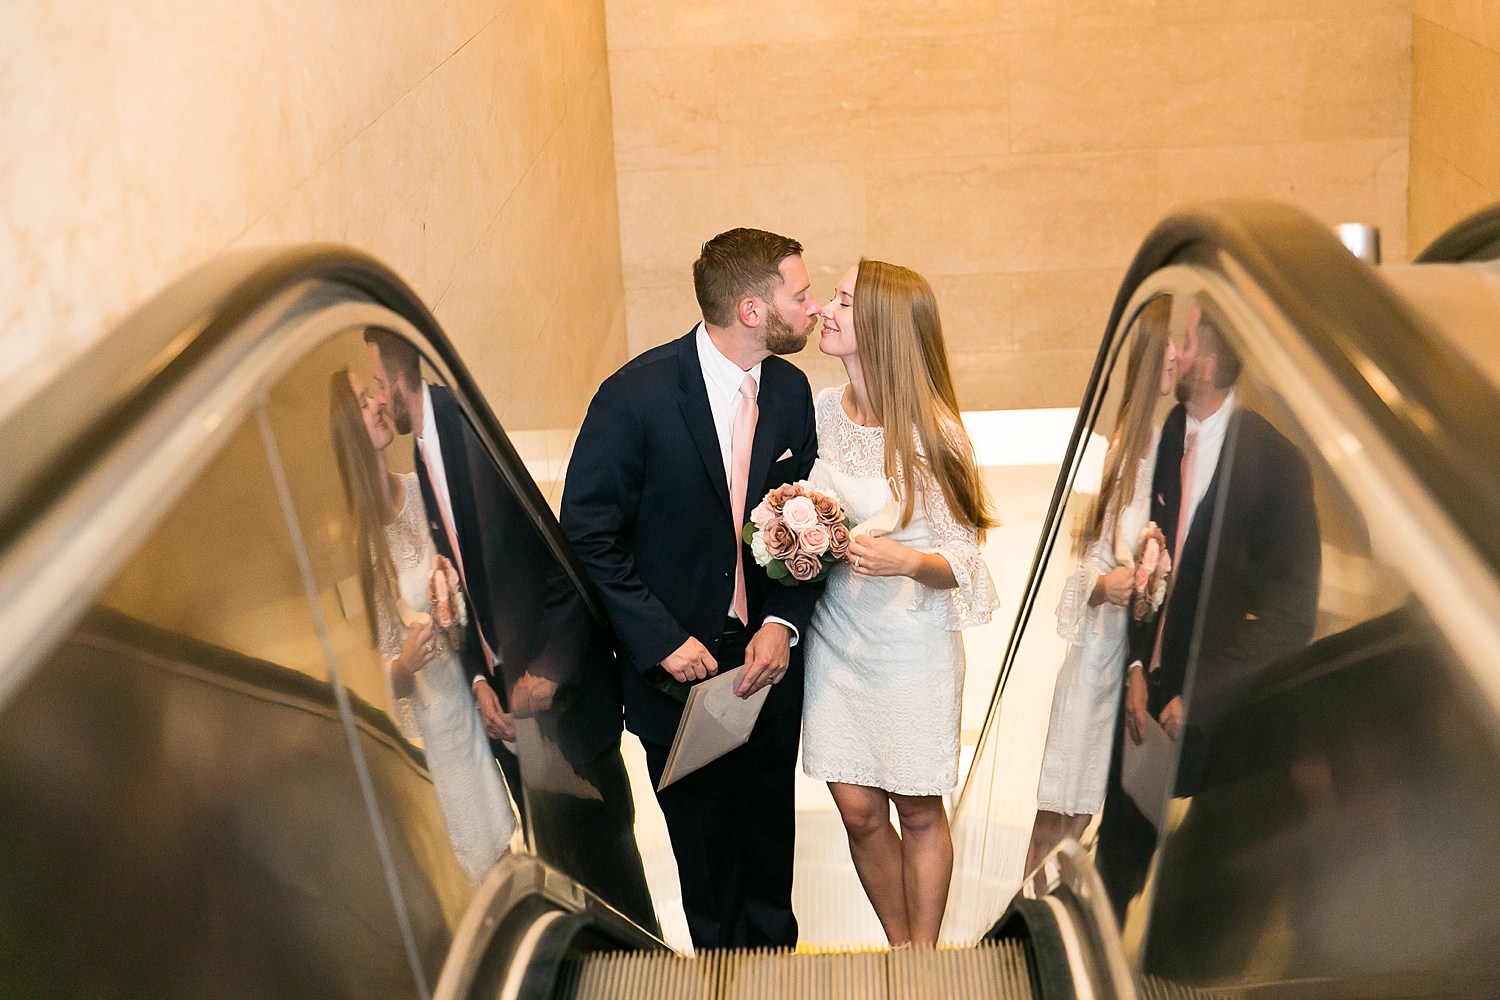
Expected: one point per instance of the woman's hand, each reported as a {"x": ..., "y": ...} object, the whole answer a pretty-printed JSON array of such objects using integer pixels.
[
  {"x": 1117, "y": 587},
  {"x": 881, "y": 556},
  {"x": 416, "y": 653}
]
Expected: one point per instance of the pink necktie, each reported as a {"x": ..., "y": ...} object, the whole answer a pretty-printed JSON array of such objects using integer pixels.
[
  {"x": 1185, "y": 510},
  {"x": 741, "y": 437},
  {"x": 1184, "y": 514}
]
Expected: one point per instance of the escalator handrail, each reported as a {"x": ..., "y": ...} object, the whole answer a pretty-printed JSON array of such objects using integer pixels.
[
  {"x": 1473, "y": 238},
  {"x": 1415, "y": 389},
  {"x": 55, "y": 436}
]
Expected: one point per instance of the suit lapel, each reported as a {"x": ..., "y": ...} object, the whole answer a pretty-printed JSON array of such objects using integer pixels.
[{"x": 700, "y": 418}]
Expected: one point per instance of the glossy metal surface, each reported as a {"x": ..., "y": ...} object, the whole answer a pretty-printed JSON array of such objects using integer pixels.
[{"x": 202, "y": 758}]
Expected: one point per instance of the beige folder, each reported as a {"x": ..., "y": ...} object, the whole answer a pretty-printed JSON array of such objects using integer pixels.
[
  {"x": 714, "y": 722},
  {"x": 1146, "y": 771}
]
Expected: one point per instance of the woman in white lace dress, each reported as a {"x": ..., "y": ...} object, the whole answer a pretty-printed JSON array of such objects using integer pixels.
[
  {"x": 427, "y": 684},
  {"x": 1092, "y": 612},
  {"x": 885, "y": 662}
]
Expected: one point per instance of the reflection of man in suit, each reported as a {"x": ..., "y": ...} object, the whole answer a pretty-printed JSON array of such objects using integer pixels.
[
  {"x": 659, "y": 484},
  {"x": 538, "y": 653},
  {"x": 1245, "y": 580}
]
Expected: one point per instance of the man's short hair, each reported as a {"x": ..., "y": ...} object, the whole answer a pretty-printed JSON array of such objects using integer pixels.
[
  {"x": 397, "y": 355},
  {"x": 735, "y": 264},
  {"x": 1227, "y": 371}
]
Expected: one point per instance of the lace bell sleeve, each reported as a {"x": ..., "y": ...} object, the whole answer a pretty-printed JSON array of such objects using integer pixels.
[
  {"x": 392, "y": 636},
  {"x": 1075, "y": 617},
  {"x": 974, "y": 599}
]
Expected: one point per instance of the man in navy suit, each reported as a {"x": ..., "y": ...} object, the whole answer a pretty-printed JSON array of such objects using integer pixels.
[
  {"x": 650, "y": 507},
  {"x": 1244, "y": 589},
  {"x": 535, "y": 656}
]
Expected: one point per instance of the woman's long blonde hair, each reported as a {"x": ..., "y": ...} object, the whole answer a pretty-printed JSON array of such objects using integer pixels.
[
  {"x": 899, "y": 340},
  {"x": 1135, "y": 419},
  {"x": 364, "y": 491}
]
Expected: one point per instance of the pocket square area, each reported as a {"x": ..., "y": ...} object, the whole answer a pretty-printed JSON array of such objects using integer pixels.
[{"x": 784, "y": 455}]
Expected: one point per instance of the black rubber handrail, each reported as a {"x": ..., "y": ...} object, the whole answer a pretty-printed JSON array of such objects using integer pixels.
[
  {"x": 1421, "y": 395},
  {"x": 1475, "y": 238},
  {"x": 56, "y": 436}
]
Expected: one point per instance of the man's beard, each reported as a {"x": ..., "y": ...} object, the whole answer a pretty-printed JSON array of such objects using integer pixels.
[
  {"x": 400, "y": 413},
  {"x": 781, "y": 338}
]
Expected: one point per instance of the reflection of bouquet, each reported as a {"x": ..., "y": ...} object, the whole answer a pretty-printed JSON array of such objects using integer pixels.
[
  {"x": 797, "y": 532},
  {"x": 445, "y": 600},
  {"x": 1153, "y": 568}
]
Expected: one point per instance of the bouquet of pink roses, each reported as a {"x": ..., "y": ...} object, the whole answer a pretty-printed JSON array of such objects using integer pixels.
[
  {"x": 445, "y": 599},
  {"x": 797, "y": 532},
  {"x": 1153, "y": 568}
]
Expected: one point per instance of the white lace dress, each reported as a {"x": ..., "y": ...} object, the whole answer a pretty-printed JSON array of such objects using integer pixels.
[
  {"x": 440, "y": 709},
  {"x": 1086, "y": 700},
  {"x": 885, "y": 662}
]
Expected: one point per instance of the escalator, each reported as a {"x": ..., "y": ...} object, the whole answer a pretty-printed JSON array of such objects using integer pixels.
[{"x": 210, "y": 787}]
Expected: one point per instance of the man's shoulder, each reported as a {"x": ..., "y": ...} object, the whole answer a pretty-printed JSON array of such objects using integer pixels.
[
  {"x": 658, "y": 365},
  {"x": 787, "y": 376}
]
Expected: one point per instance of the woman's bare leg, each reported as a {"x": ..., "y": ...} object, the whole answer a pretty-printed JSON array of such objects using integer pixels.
[
  {"x": 927, "y": 863},
  {"x": 877, "y": 854}
]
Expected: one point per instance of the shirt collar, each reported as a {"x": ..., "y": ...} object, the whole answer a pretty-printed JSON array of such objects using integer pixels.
[
  {"x": 722, "y": 376},
  {"x": 1214, "y": 425},
  {"x": 429, "y": 432}
]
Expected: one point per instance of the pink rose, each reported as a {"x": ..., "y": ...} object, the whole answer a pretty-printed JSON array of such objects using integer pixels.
[
  {"x": 800, "y": 514},
  {"x": 803, "y": 566},
  {"x": 781, "y": 541},
  {"x": 761, "y": 516},
  {"x": 828, "y": 508},
  {"x": 838, "y": 539},
  {"x": 815, "y": 540}
]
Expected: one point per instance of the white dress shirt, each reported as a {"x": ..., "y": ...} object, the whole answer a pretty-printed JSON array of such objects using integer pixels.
[
  {"x": 722, "y": 378},
  {"x": 1210, "y": 444}
]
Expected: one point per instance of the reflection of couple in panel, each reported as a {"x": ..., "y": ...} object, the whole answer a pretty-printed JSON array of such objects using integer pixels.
[
  {"x": 677, "y": 448},
  {"x": 1220, "y": 474},
  {"x": 412, "y": 599}
]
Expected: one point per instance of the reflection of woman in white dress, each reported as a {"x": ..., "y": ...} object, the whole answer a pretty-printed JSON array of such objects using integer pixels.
[
  {"x": 1092, "y": 612},
  {"x": 885, "y": 662},
  {"x": 428, "y": 688}
]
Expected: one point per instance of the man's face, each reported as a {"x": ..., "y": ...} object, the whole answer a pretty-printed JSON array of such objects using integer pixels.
[
  {"x": 390, "y": 397},
  {"x": 793, "y": 311},
  {"x": 1190, "y": 359}
]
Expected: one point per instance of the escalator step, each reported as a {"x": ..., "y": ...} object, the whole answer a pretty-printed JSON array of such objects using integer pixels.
[
  {"x": 1152, "y": 988},
  {"x": 992, "y": 970}
]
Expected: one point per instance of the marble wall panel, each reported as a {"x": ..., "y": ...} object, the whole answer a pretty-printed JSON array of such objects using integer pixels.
[
  {"x": 1455, "y": 114},
  {"x": 468, "y": 144},
  {"x": 1015, "y": 151}
]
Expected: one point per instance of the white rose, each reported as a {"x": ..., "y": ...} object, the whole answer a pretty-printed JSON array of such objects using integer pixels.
[{"x": 758, "y": 549}]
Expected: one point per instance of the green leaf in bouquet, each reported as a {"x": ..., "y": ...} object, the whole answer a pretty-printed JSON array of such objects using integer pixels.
[
  {"x": 749, "y": 533},
  {"x": 776, "y": 570}
]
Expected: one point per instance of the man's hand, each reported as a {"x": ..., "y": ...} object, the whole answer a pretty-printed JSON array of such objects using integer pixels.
[
  {"x": 691, "y": 662},
  {"x": 532, "y": 695},
  {"x": 1136, "y": 715},
  {"x": 496, "y": 721},
  {"x": 1171, "y": 717},
  {"x": 766, "y": 658}
]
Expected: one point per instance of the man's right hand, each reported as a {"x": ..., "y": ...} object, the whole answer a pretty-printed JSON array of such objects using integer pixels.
[
  {"x": 498, "y": 724},
  {"x": 1135, "y": 703},
  {"x": 691, "y": 662}
]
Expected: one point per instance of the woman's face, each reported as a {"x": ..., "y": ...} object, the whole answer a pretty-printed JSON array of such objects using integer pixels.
[
  {"x": 838, "y": 340},
  {"x": 375, "y": 424},
  {"x": 1169, "y": 369}
]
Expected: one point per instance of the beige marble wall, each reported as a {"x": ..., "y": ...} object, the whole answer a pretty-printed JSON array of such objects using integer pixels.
[
  {"x": 1015, "y": 151},
  {"x": 466, "y": 143},
  {"x": 1455, "y": 115}
]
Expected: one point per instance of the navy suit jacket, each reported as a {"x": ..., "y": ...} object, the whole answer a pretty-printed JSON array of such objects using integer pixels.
[
  {"x": 646, "y": 506},
  {"x": 1258, "y": 599},
  {"x": 521, "y": 596}
]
